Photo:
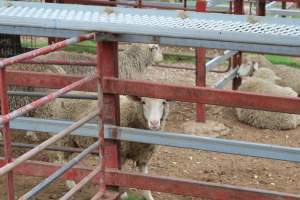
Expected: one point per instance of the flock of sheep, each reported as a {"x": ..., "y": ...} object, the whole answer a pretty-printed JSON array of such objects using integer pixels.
[{"x": 149, "y": 113}]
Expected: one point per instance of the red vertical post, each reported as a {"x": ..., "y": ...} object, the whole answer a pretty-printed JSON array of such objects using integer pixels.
[
  {"x": 101, "y": 122},
  {"x": 107, "y": 66},
  {"x": 200, "y": 68},
  {"x": 283, "y": 5},
  {"x": 6, "y": 134},
  {"x": 261, "y": 8},
  {"x": 238, "y": 8}
]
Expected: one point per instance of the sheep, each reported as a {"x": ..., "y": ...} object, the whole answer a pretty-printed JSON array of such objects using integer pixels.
[
  {"x": 136, "y": 112},
  {"x": 132, "y": 61},
  {"x": 263, "y": 82},
  {"x": 290, "y": 77},
  {"x": 136, "y": 58},
  {"x": 16, "y": 102}
]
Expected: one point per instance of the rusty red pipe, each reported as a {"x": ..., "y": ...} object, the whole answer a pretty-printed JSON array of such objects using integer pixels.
[
  {"x": 6, "y": 133},
  {"x": 45, "y": 50}
]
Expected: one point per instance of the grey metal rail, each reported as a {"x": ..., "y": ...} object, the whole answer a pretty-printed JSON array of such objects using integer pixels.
[{"x": 165, "y": 138}]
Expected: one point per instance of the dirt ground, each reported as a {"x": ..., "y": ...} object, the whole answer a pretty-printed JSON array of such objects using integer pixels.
[{"x": 200, "y": 165}]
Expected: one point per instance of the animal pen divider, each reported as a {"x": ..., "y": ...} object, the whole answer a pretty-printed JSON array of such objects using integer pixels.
[{"x": 108, "y": 173}]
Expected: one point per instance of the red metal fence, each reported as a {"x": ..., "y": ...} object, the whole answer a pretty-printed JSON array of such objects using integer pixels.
[
  {"x": 109, "y": 88},
  {"x": 112, "y": 86}
]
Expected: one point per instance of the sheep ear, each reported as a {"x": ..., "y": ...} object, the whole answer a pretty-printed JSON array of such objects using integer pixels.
[
  {"x": 255, "y": 66},
  {"x": 135, "y": 98}
]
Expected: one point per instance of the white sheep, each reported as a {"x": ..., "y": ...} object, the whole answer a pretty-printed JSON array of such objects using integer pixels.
[
  {"x": 136, "y": 112},
  {"x": 290, "y": 77},
  {"x": 263, "y": 82}
]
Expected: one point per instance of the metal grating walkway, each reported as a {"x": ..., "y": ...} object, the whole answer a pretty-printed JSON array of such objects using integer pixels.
[{"x": 150, "y": 22}]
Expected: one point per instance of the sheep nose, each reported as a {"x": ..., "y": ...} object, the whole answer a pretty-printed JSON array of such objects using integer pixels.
[{"x": 154, "y": 123}]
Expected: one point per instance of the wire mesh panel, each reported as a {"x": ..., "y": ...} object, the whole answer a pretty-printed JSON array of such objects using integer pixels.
[{"x": 251, "y": 29}]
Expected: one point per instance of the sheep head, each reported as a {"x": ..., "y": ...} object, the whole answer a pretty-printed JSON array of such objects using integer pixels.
[
  {"x": 247, "y": 69},
  {"x": 155, "y": 111},
  {"x": 156, "y": 52}
]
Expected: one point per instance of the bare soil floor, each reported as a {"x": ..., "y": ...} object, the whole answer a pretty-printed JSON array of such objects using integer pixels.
[{"x": 199, "y": 165}]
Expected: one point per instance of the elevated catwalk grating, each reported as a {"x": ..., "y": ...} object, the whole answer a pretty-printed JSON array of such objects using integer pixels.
[{"x": 151, "y": 22}]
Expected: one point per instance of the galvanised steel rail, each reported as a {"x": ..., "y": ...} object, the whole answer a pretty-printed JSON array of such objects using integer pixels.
[
  {"x": 164, "y": 138},
  {"x": 219, "y": 59},
  {"x": 220, "y": 30},
  {"x": 228, "y": 77}
]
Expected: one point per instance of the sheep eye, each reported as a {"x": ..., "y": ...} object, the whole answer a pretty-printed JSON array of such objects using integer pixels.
[
  {"x": 143, "y": 102},
  {"x": 164, "y": 102}
]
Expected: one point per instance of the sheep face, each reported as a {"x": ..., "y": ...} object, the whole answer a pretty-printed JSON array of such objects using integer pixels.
[
  {"x": 157, "y": 53},
  {"x": 154, "y": 111},
  {"x": 247, "y": 69}
]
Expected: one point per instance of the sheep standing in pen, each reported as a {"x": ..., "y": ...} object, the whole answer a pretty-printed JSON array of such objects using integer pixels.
[
  {"x": 147, "y": 113},
  {"x": 144, "y": 113},
  {"x": 263, "y": 82}
]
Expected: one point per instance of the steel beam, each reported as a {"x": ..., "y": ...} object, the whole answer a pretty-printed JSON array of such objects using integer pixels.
[
  {"x": 164, "y": 138},
  {"x": 210, "y": 65}
]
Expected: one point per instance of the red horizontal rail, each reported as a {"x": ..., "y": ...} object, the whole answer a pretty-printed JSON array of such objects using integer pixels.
[
  {"x": 167, "y": 91},
  {"x": 156, "y": 183},
  {"x": 47, "y": 80},
  {"x": 45, "y": 50},
  {"x": 202, "y": 95}
]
